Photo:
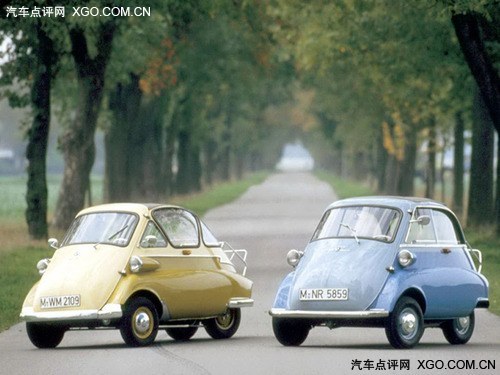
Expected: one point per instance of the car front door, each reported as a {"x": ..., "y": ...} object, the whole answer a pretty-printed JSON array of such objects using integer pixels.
[
  {"x": 442, "y": 264},
  {"x": 192, "y": 282}
]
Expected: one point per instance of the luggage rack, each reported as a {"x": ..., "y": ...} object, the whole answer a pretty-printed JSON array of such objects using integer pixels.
[{"x": 241, "y": 254}]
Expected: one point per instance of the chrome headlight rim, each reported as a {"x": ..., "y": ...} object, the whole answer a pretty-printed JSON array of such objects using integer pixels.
[
  {"x": 293, "y": 257},
  {"x": 135, "y": 264},
  {"x": 42, "y": 265},
  {"x": 406, "y": 258}
]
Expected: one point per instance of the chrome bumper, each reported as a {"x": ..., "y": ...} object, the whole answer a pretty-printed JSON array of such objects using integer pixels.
[
  {"x": 110, "y": 311},
  {"x": 240, "y": 302},
  {"x": 283, "y": 313}
]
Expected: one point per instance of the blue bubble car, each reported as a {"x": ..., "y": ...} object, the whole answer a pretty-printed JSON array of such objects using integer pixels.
[{"x": 402, "y": 264}]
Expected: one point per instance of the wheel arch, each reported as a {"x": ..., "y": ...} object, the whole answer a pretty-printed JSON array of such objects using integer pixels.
[
  {"x": 159, "y": 305},
  {"x": 416, "y": 294}
]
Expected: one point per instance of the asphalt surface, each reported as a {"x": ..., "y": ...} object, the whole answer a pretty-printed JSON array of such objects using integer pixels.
[{"x": 268, "y": 220}]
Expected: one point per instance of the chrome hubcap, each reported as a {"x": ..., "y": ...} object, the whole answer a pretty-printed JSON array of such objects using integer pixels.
[
  {"x": 225, "y": 321},
  {"x": 408, "y": 323},
  {"x": 142, "y": 322},
  {"x": 462, "y": 324}
]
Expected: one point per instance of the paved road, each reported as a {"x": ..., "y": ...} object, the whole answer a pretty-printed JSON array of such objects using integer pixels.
[{"x": 268, "y": 220}]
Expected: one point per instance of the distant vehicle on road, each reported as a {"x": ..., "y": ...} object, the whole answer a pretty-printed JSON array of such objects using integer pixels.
[
  {"x": 295, "y": 158},
  {"x": 138, "y": 268},
  {"x": 398, "y": 263}
]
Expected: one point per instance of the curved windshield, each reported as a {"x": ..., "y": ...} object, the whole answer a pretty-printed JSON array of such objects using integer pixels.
[
  {"x": 378, "y": 223},
  {"x": 114, "y": 228}
]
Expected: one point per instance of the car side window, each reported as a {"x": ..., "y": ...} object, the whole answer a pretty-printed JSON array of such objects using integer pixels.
[
  {"x": 208, "y": 237},
  {"x": 438, "y": 229},
  {"x": 445, "y": 230},
  {"x": 152, "y": 237},
  {"x": 179, "y": 225}
]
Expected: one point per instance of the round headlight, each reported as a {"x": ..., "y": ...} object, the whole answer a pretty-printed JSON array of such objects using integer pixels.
[
  {"x": 42, "y": 265},
  {"x": 405, "y": 258},
  {"x": 135, "y": 264},
  {"x": 293, "y": 257}
]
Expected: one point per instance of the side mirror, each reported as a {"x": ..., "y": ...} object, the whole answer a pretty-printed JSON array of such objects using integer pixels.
[
  {"x": 422, "y": 220},
  {"x": 54, "y": 243},
  {"x": 151, "y": 240},
  {"x": 293, "y": 257}
]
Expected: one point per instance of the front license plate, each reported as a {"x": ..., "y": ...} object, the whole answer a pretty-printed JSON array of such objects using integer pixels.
[
  {"x": 52, "y": 302},
  {"x": 324, "y": 294}
]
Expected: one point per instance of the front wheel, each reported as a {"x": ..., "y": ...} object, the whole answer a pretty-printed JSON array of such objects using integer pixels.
[
  {"x": 290, "y": 332},
  {"x": 45, "y": 336},
  {"x": 139, "y": 324},
  {"x": 459, "y": 331},
  {"x": 223, "y": 326},
  {"x": 405, "y": 326}
]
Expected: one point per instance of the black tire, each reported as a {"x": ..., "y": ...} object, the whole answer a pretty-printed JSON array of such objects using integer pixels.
[
  {"x": 223, "y": 326},
  {"x": 139, "y": 324},
  {"x": 45, "y": 336},
  {"x": 459, "y": 331},
  {"x": 290, "y": 332},
  {"x": 405, "y": 325},
  {"x": 181, "y": 334}
]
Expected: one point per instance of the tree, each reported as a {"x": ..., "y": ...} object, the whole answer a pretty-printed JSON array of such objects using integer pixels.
[
  {"x": 472, "y": 28},
  {"x": 32, "y": 63},
  {"x": 38, "y": 133},
  {"x": 481, "y": 208},
  {"x": 77, "y": 143}
]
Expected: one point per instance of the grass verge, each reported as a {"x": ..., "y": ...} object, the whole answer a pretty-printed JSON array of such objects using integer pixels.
[
  {"x": 19, "y": 256},
  {"x": 484, "y": 240}
]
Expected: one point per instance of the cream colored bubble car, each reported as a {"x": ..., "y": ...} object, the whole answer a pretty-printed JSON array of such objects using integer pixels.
[{"x": 138, "y": 268}]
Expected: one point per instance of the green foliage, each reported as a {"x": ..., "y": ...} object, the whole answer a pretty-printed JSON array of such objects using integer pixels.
[{"x": 18, "y": 273}]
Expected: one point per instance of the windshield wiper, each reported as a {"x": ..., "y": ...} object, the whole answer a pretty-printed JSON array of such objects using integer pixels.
[
  {"x": 351, "y": 230},
  {"x": 112, "y": 236},
  {"x": 117, "y": 233}
]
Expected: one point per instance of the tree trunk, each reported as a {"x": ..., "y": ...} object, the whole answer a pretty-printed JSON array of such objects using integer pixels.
[
  {"x": 468, "y": 31},
  {"x": 480, "y": 209},
  {"x": 124, "y": 105},
  {"x": 227, "y": 148},
  {"x": 408, "y": 164},
  {"x": 152, "y": 126},
  {"x": 77, "y": 143},
  {"x": 36, "y": 150},
  {"x": 430, "y": 175},
  {"x": 189, "y": 173},
  {"x": 458, "y": 165},
  {"x": 497, "y": 195}
]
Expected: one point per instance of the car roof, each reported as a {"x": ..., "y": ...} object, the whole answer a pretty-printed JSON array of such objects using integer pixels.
[
  {"x": 403, "y": 203},
  {"x": 140, "y": 208}
]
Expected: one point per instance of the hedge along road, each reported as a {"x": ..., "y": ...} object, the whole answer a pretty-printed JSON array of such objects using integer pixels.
[{"x": 268, "y": 220}]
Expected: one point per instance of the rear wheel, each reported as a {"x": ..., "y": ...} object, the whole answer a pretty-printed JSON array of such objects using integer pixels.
[
  {"x": 181, "y": 334},
  {"x": 139, "y": 325},
  {"x": 459, "y": 331},
  {"x": 290, "y": 332},
  {"x": 45, "y": 335},
  {"x": 405, "y": 326},
  {"x": 223, "y": 326}
]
